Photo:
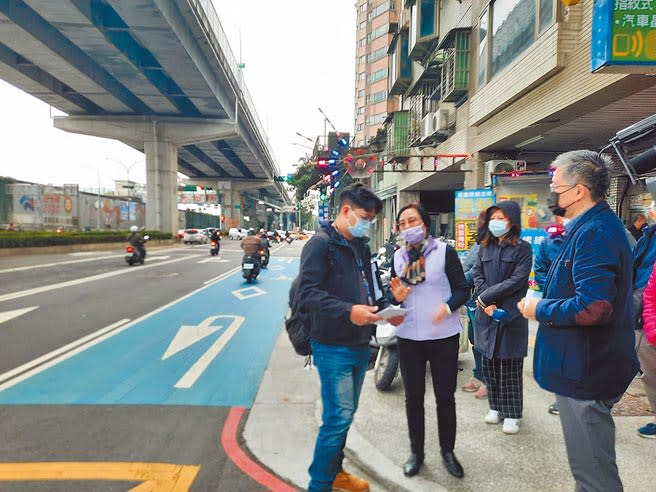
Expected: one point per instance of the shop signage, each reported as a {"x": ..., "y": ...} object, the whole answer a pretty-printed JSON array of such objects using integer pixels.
[
  {"x": 624, "y": 36},
  {"x": 469, "y": 204}
]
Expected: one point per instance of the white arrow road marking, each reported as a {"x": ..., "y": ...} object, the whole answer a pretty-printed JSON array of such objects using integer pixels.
[
  {"x": 189, "y": 334},
  {"x": 248, "y": 292},
  {"x": 7, "y": 315},
  {"x": 190, "y": 377}
]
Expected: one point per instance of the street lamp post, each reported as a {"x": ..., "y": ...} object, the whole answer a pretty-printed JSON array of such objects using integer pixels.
[{"x": 127, "y": 169}]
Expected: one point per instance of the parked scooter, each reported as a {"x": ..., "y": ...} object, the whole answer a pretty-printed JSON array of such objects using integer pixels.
[
  {"x": 214, "y": 248},
  {"x": 385, "y": 343},
  {"x": 133, "y": 255},
  {"x": 386, "y": 367},
  {"x": 250, "y": 268}
]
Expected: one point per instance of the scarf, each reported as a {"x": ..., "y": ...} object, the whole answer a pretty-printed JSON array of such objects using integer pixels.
[{"x": 415, "y": 271}]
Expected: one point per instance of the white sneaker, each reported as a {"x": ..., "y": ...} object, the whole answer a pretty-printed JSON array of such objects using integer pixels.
[
  {"x": 492, "y": 417},
  {"x": 510, "y": 426}
]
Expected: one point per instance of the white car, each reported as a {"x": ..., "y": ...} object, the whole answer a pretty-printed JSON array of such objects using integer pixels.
[
  {"x": 194, "y": 236},
  {"x": 236, "y": 233}
]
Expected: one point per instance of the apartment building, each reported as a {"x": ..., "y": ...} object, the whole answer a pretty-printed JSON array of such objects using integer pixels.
[
  {"x": 485, "y": 85},
  {"x": 372, "y": 102}
]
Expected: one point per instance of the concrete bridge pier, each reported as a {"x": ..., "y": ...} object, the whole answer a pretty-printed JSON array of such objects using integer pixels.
[{"x": 160, "y": 139}]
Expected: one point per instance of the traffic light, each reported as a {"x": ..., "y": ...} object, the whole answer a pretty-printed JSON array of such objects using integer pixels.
[
  {"x": 284, "y": 179},
  {"x": 323, "y": 193}
]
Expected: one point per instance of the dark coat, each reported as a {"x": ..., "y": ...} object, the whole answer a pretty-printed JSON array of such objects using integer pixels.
[
  {"x": 330, "y": 284},
  {"x": 501, "y": 277},
  {"x": 585, "y": 346},
  {"x": 546, "y": 253}
]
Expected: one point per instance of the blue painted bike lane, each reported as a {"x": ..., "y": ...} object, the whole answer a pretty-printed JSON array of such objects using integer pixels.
[{"x": 210, "y": 348}]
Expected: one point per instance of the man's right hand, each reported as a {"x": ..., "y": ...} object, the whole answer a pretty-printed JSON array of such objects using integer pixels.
[{"x": 361, "y": 314}]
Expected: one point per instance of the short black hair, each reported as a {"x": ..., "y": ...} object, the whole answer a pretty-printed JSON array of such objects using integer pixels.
[
  {"x": 359, "y": 196},
  {"x": 420, "y": 210}
]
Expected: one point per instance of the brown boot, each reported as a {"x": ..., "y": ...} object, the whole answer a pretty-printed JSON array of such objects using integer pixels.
[
  {"x": 345, "y": 482},
  {"x": 472, "y": 385},
  {"x": 481, "y": 393}
]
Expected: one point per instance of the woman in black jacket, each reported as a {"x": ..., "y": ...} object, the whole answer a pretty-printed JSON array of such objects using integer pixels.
[{"x": 500, "y": 277}]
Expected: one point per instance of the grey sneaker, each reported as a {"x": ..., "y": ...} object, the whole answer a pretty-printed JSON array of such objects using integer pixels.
[{"x": 553, "y": 409}]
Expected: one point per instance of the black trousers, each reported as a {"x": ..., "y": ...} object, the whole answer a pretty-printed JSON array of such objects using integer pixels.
[{"x": 443, "y": 358}]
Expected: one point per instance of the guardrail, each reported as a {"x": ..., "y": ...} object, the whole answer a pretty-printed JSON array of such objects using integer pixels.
[{"x": 215, "y": 33}]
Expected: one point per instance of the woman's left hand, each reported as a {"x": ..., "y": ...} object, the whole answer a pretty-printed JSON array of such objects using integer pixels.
[{"x": 442, "y": 312}]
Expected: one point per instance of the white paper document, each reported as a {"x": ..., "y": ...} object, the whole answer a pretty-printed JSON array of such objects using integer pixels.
[{"x": 391, "y": 312}]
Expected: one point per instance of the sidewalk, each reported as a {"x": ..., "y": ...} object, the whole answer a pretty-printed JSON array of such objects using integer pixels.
[{"x": 282, "y": 426}]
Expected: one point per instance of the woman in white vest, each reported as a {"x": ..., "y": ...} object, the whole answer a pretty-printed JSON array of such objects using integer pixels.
[{"x": 429, "y": 281}]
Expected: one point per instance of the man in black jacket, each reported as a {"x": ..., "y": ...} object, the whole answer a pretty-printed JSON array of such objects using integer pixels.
[{"x": 336, "y": 287}]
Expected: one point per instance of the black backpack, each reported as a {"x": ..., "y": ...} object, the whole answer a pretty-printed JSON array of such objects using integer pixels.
[{"x": 297, "y": 323}]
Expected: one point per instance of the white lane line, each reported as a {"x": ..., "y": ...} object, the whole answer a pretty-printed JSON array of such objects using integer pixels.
[
  {"x": 47, "y": 265},
  {"x": 222, "y": 276},
  {"x": 51, "y": 355},
  {"x": 93, "y": 278},
  {"x": 110, "y": 332}
]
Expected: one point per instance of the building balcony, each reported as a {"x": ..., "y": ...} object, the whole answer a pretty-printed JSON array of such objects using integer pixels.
[
  {"x": 424, "y": 28},
  {"x": 400, "y": 64}
]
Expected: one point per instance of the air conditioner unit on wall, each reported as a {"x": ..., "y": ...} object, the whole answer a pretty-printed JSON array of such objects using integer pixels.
[
  {"x": 444, "y": 119},
  {"x": 427, "y": 129},
  {"x": 501, "y": 166}
]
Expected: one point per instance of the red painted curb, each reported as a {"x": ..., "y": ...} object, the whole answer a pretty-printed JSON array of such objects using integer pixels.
[{"x": 241, "y": 459}]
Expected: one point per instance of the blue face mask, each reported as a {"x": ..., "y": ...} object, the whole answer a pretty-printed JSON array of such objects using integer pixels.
[
  {"x": 498, "y": 227},
  {"x": 361, "y": 227}
]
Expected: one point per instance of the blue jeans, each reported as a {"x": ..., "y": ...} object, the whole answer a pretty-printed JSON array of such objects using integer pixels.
[
  {"x": 341, "y": 372},
  {"x": 477, "y": 372}
]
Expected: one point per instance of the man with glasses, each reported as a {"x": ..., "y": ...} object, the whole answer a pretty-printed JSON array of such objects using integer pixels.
[
  {"x": 336, "y": 288},
  {"x": 584, "y": 350}
]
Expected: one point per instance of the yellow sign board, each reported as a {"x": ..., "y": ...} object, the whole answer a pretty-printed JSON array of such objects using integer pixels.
[{"x": 154, "y": 477}]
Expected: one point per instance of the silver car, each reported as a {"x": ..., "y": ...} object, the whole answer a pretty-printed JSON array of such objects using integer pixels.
[{"x": 194, "y": 236}]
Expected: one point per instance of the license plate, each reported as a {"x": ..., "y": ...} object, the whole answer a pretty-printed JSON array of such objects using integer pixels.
[{"x": 248, "y": 266}]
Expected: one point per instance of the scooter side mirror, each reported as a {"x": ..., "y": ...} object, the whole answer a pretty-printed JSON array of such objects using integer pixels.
[
  {"x": 146, "y": 238},
  {"x": 382, "y": 251}
]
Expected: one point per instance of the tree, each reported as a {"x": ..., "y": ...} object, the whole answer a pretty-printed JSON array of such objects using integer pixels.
[{"x": 306, "y": 176}]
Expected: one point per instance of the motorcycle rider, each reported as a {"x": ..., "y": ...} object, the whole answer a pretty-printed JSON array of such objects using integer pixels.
[
  {"x": 265, "y": 243},
  {"x": 136, "y": 240},
  {"x": 251, "y": 245}
]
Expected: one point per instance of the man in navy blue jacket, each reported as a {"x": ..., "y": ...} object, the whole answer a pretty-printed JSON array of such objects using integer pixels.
[
  {"x": 336, "y": 287},
  {"x": 584, "y": 350}
]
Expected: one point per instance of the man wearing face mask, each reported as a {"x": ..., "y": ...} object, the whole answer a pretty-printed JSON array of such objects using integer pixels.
[
  {"x": 336, "y": 287},
  {"x": 584, "y": 350}
]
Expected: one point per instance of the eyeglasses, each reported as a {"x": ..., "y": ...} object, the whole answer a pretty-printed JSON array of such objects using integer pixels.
[
  {"x": 568, "y": 186},
  {"x": 371, "y": 220}
]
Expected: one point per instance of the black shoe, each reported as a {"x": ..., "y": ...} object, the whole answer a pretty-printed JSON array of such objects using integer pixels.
[
  {"x": 452, "y": 464},
  {"x": 412, "y": 466}
]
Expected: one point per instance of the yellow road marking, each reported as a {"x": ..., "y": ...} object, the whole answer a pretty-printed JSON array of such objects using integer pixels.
[{"x": 155, "y": 477}]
